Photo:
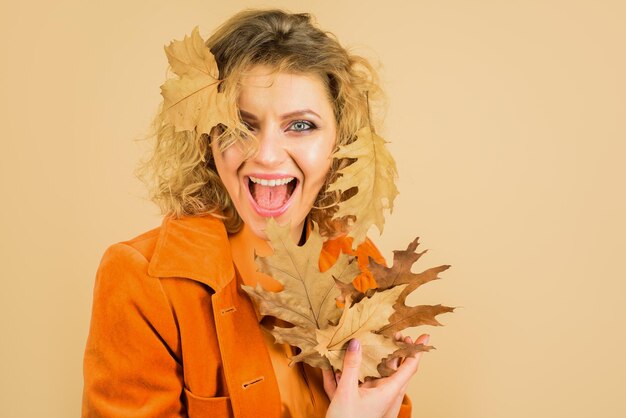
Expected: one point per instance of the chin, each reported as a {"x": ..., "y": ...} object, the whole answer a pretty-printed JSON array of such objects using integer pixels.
[{"x": 258, "y": 224}]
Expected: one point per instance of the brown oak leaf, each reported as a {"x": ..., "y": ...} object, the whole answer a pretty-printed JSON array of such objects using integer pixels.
[
  {"x": 405, "y": 350},
  {"x": 400, "y": 272},
  {"x": 403, "y": 316}
]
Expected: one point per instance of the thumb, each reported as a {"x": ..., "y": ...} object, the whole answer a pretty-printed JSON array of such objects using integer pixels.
[{"x": 351, "y": 365}]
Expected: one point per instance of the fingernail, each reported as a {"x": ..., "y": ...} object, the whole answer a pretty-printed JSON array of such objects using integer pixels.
[
  {"x": 354, "y": 345},
  {"x": 427, "y": 339}
]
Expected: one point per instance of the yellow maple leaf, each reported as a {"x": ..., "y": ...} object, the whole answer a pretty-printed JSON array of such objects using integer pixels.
[
  {"x": 308, "y": 298},
  {"x": 303, "y": 338},
  {"x": 308, "y": 295},
  {"x": 373, "y": 173},
  {"x": 192, "y": 101},
  {"x": 360, "y": 321}
]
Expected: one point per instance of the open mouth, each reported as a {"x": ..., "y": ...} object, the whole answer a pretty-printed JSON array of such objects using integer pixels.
[{"x": 271, "y": 196}]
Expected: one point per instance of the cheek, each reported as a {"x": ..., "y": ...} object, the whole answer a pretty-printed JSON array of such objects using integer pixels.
[
  {"x": 227, "y": 163},
  {"x": 316, "y": 161}
]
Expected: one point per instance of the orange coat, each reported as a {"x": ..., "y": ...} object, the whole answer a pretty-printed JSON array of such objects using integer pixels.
[{"x": 173, "y": 335}]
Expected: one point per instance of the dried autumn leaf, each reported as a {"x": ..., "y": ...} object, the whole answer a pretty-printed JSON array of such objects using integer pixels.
[
  {"x": 405, "y": 350},
  {"x": 360, "y": 321},
  {"x": 349, "y": 293},
  {"x": 192, "y": 100},
  {"x": 373, "y": 173},
  {"x": 413, "y": 316},
  {"x": 304, "y": 338},
  {"x": 399, "y": 274},
  {"x": 320, "y": 329},
  {"x": 308, "y": 296}
]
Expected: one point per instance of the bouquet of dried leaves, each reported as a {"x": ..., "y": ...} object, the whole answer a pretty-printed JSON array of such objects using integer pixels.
[
  {"x": 321, "y": 328},
  {"x": 325, "y": 309}
]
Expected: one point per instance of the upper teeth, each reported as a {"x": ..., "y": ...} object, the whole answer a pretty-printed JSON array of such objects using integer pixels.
[{"x": 273, "y": 182}]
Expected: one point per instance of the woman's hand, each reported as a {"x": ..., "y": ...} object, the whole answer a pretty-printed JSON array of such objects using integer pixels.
[{"x": 377, "y": 398}]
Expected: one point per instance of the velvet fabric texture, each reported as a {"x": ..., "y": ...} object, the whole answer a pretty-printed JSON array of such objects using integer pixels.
[{"x": 173, "y": 335}]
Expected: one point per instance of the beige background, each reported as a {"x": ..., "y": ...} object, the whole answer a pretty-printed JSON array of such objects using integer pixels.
[{"x": 507, "y": 121}]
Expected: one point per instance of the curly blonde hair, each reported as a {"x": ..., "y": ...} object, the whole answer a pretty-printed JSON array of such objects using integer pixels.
[{"x": 181, "y": 175}]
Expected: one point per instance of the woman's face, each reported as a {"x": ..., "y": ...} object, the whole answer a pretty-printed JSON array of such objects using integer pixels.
[{"x": 293, "y": 120}]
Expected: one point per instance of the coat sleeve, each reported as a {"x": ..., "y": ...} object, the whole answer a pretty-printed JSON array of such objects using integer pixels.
[{"x": 130, "y": 366}]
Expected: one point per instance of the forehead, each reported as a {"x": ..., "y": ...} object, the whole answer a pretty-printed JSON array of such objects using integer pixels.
[{"x": 265, "y": 88}]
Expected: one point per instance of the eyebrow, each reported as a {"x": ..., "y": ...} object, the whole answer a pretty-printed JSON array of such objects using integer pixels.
[{"x": 250, "y": 116}]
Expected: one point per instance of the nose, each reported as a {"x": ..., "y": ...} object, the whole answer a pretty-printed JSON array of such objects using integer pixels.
[{"x": 271, "y": 150}]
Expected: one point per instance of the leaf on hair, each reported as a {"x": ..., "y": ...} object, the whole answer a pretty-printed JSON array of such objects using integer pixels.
[
  {"x": 192, "y": 100},
  {"x": 373, "y": 173}
]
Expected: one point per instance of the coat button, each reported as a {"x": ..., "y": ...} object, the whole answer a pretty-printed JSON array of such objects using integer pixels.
[{"x": 228, "y": 310}]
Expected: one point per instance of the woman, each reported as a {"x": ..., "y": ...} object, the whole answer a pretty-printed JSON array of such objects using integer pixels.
[{"x": 172, "y": 333}]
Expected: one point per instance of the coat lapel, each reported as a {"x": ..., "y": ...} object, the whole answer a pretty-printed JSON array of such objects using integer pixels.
[{"x": 196, "y": 248}]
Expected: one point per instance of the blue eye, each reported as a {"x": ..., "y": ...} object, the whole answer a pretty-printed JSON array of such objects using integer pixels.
[{"x": 302, "y": 125}]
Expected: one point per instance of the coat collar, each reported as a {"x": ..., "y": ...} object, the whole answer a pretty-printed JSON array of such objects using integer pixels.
[{"x": 196, "y": 248}]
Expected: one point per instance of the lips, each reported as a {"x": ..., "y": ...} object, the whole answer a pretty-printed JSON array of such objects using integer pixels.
[{"x": 270, "y": 195}]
